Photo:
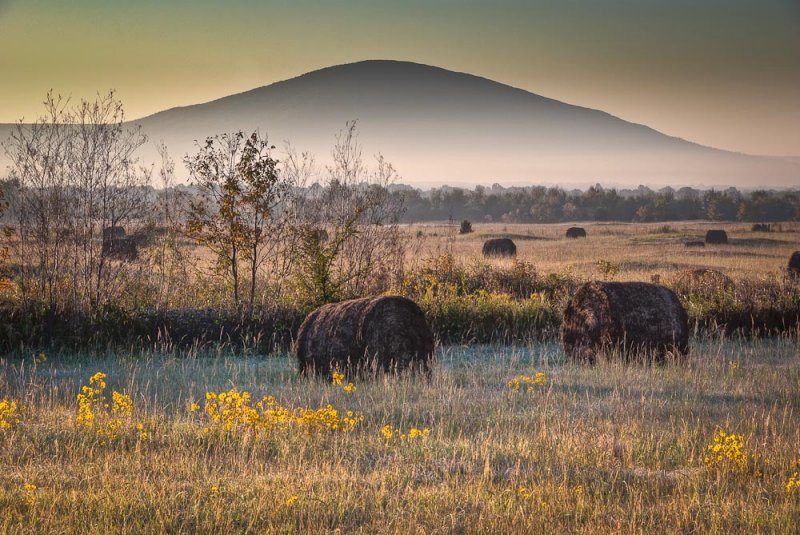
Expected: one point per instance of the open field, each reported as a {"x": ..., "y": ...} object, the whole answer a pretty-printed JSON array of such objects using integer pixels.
[
  {"x": 640, "y": 250},
  {"x": 592, "y": 449}
]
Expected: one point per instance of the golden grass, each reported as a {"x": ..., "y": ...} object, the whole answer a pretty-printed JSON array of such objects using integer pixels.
[
  {"x": 639, "y": 250},
  {"x": 605, "y": 449}
]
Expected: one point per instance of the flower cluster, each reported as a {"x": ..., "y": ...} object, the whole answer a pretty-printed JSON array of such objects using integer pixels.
[
  {"x": 793, "y": 484},
  {"x": 9, "y": 414},
  {"x": 390, "y": 434},
  {"x": 106, "y": 419},
  {"x": 30, "y": 493},
  {"x": 338, "y": 378},
  {"x": 726, "y": 450},
  {"x": 529, "y": 382},
  {"x": 235, "y": 410}
]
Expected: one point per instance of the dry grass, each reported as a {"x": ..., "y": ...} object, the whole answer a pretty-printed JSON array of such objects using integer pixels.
[
  {"x": 639, "y": 250},
  {"x": 594, "y": 450}
]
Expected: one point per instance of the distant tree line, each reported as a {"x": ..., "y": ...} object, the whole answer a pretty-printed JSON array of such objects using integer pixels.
[{"x": 539, "y": 204}]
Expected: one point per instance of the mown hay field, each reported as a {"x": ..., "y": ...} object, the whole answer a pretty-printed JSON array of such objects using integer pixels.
[
  {"x": 507, "y": 440},
  {"x": 639, "y": 250}
]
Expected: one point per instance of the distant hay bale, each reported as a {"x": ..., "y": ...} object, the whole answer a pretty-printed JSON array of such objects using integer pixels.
[
  {"x": 794, "y": 265},
  {"x": 385, "y": 333},
  {"x": 707, "y": 282},
  {"x": 123, "y": 249},
  {"x": 716, "y": 236},
  {"x": 115, "y": 232},
  {"x": 695, "y": 243},
  {"x": 762, "y": 227},
  {"x": 626, "y": 317},
  {"x": 499, "y": 247},
  {"x": 576, "y": 232}
]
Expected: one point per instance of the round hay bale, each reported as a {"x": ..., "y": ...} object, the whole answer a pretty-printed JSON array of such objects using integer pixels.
[
  {"x": 499, "y": 247},
  {"x": 716, "y": 236},
  {"x": 633, "y": 318},
  {"x": 794, "y": 265},
  {"x": 576, "y": 232},
  {"x": 123, "y": 249},
  {"x": 695, "y": 243},
  {"x": 115, "y": 232},
  {"x": 386, "y": 333},
  {"x": 706, "y": 282}
]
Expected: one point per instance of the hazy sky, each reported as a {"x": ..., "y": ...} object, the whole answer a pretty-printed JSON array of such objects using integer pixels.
[{"x": 724, "y": 73}]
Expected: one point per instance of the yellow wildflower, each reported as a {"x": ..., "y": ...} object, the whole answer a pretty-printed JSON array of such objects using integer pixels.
[
  {"x": 349, "y": 388},
  {"x": 9, "y": 414},
  {"x": 337, "y": 378},
  {"x": 291, "y": 500},
  {"x": 726, "y": 450},
  {"x": 30, "y": 493},
  {"x": 516, "y": 383},
  {"x": 793, "y": 484}
]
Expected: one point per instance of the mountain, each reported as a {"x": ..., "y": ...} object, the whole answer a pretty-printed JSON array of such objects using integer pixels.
[{"x": 437, "y": 126}]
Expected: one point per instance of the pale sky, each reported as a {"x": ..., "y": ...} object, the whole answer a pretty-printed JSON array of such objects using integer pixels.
[{"x": 724, "y": 73}]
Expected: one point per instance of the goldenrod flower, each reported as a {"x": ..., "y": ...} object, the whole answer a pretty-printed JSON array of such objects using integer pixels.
[
  {"x": 9, "y": 414},
  {"x": 726, "y": 450}
]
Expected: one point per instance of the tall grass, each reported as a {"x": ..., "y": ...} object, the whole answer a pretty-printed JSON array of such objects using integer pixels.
[{"x": 594, "y": 449}]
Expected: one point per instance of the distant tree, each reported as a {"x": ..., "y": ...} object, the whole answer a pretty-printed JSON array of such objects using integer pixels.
[
  {"x": 466, "y": 227},
  {"x": 77, "y": 174}
]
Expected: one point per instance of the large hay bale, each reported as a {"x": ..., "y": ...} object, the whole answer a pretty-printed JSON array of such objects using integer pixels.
[
  {"x": 576, "y": 232},
  {"x": 115, "y": 232},
  {"x": 629, "y": 317},
  {"x": 695, "y": 243},
  {"x": 706, "y": 282},
  {"x": 794, "y": 265},
  {"x": 499, "y": 247},
  {"x": 123, "y": 249},
  {"x": 386, "y": 333},
  {"x": 716, "y": 236}
]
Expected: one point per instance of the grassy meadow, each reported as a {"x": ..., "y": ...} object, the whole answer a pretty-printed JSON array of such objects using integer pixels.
[
  {"x": 578, "y": 449},
  {"x": 639, "y": 250},
  {"x": 501, "y": 439}
]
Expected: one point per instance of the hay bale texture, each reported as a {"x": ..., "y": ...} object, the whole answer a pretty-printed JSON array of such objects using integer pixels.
[
  {"x": 114, "y": 232},
  {"x": 123, "y": 249},
  {"x": 576, "y": 232},
  {"x": 794, "y": 265},
  {"x": 633, "y": 318},
  {"x": 386, "y": 333},
  {"x": 705, "y": 282},
  {"x": 499, "y": 247},
  {"x": 716, "y": 236}
]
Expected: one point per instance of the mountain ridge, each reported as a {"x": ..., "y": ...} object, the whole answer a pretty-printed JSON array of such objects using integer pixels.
[{"x": 437, "y": 125}]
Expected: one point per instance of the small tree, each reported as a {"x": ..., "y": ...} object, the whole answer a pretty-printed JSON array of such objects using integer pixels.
[
  {"x": 238, "y": 209},
  {"x": 358, "y": 213},
  {"x": 466, "y": 227}
]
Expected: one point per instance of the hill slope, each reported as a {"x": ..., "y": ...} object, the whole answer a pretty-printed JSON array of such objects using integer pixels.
[{"x": 438, "y": 126}]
